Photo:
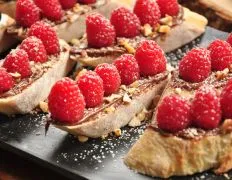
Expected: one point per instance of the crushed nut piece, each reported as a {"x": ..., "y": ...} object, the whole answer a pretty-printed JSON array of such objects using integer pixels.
[
  {"x": 118, "y": 132},
  {"x": 82, "y": 139},
  {"x": 44, "y": 106},
  {"x": 168, "y": 20},
  {"x": 222, "y": 74},
  {"x": 227, "y": 126},
  {"x": 135, "y": 122},
  {"x": 104, "y": 136},
  {"x": 147, "y": 30},
  {"x": 135, "y": 84},
  {"x": 82, "y": 72},
  {"x": 109, "y": 109},
  {"x": 127, "y": 46},
  {"x": 126, "y": 98},
  {"x": 111, "y": 98},
  {"x": 164, "y": 29},
  {"x": 178, "y": 91},
  {"x": 131, "y": 90},
  {"x": 75, "y": 42},
  {"x": 156, "y": 27},
  {"x": 123, "y": 87},
  {"x": 142, "y": 115}
]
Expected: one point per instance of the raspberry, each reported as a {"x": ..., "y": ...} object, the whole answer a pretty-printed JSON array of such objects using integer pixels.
[
  {"x": 110, "y": 76},
  {"x": 218, "y": 50},
  {"x": 148, "y": 12},
  {"x": 27, "y": 13},
  {"x": 206, "y": 108},
  {"x": 173, "y": 114},
  {"x": 65, "y": 102},
  {"x": 35, "y": 49},
  {"x": 67, "y": 4},
  {"x": 126, "y": 23},
  {"x": 91, "y": 86},
  {"x": 100, "y": 32},
  {"x": 150, "y": 58},
  {"x": 50, "y": 9},
  {"x": 226, "y": 99},
  {"x": 87, "y": 1},
  {"x": 196, "y": 65},
  {"x": 18, "y": 61},
  {"x": 128, "y": 68},
  {"x": 47, "y": 35},
  {"x": 6, "y": 81},
  {"x": 168, "y": 7},
  {"x": 229, "y": 39}
]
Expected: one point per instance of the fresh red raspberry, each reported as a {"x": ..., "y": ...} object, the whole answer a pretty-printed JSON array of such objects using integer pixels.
[
  {"x": 148, "y": 12},
  {"x": 47, "y": 35},
  {"x": 173, "y": 114},
  {"x": 91, "y": 86},
  {"x": 226, "y": 99},
  {"x": 6, "y": 81},
  {"x": 151, "y": 58},
  {"x": 218, "y": 50},
  {"x": 50, "y": 9},
  {"x": 110, "y": 76},
  {"x": 206, "y": 108},
  {"x": 35, "y": 49},
  {"x": 27, "y": 13},
  {"x": 87, "y": 1},
  {"x": 125, "y": 22},
  {"x": 168, "y": 7},
  {"x": 100, "y": 32},
  {"x": 196, "y": 65},
  {"x": 229, "y": 39},
  {"x": 65, "y": 102},
  {"x": 18, "y": 61},
  {"x": 128, "y": 68},
  {"x": 67, "y": 4}
]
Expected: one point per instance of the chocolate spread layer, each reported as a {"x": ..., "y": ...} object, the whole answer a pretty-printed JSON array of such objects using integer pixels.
[
  {"x": 144, "y": 84},
  {"x": 177, "y": 82},
  {"x": 70, "y": 16},
  {"x": 84, "y": 51},
  {"x": 38, "y": 70}
]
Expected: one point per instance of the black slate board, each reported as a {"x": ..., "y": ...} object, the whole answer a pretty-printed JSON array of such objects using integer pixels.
[{"x": 96, "y": 159}]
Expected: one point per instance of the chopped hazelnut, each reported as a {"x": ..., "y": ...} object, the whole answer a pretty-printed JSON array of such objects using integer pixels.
[
  {"x": 147, "y": 30},
  {"x": 222, "y": 74},
  {"x": 135, "y": 84},
  {"x": 134, "y": 122},
  {"x": 104, "y": 136},
  {"x": 44, "y": 106},
  {"x": 168, "y": 20},
  {"x": 164, "y": 29},
  {"x": 82, "y": 139},
  {"x": 75, "y": 42},
  {"x": 127, "y": 46},
  {"x": 123, "y": 87},
  {"x": 131, "y": 90},
  {"x": 118, "y": 132},
  {"x": 178, "y": 91},
  {"x": 111, "y": 98},
  {"x": 126, "y": 98},
  {"x": 109, "y": 109}
]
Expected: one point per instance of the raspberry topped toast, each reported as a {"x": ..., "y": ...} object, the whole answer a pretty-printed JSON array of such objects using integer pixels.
[
  {"x": 67, "y": 17},
  {"x": 166, "y": 22},
  {"x": 191, "y": 130},
  {"x": 111, "y": 96},
  {"x": 28, "y": 72}
]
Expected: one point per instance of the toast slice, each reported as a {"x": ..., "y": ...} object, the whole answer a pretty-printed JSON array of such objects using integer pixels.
[
  {"x": 6, "y": 41},
  {"x": 185, "y": 28},
  {"x": 218, "y": 14},
  {"x": 72, "y": 24},
  {"x": 29, "y": 92},
  {"x": 119, "y": 109},
  {"x": 189, "y": 151},
  {"x": 8, "y": 7}
]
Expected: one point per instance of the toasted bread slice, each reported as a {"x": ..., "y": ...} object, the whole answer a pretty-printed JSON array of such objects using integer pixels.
[
  {"x": 120, "y": 110},
  {"x": 218, "y": 14},
  {"x": 6, "y": 41},
  {"x": 192, "y": 26},
  {"x": 73, "y": 24},
  {"x": 28, "y": 93},
  {"x": 8, "y": 7},
  {"x": 187, "y": 152}
]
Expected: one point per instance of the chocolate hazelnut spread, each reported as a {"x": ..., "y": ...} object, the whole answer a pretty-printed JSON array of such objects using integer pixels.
[
  {"x": 144, "y": 84},
  {"x": 38, "y": 69},
  {"x": 177, "y": 82},
  {"x": 70, "y": 15},
  {"x": 84, "y": 51}
]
